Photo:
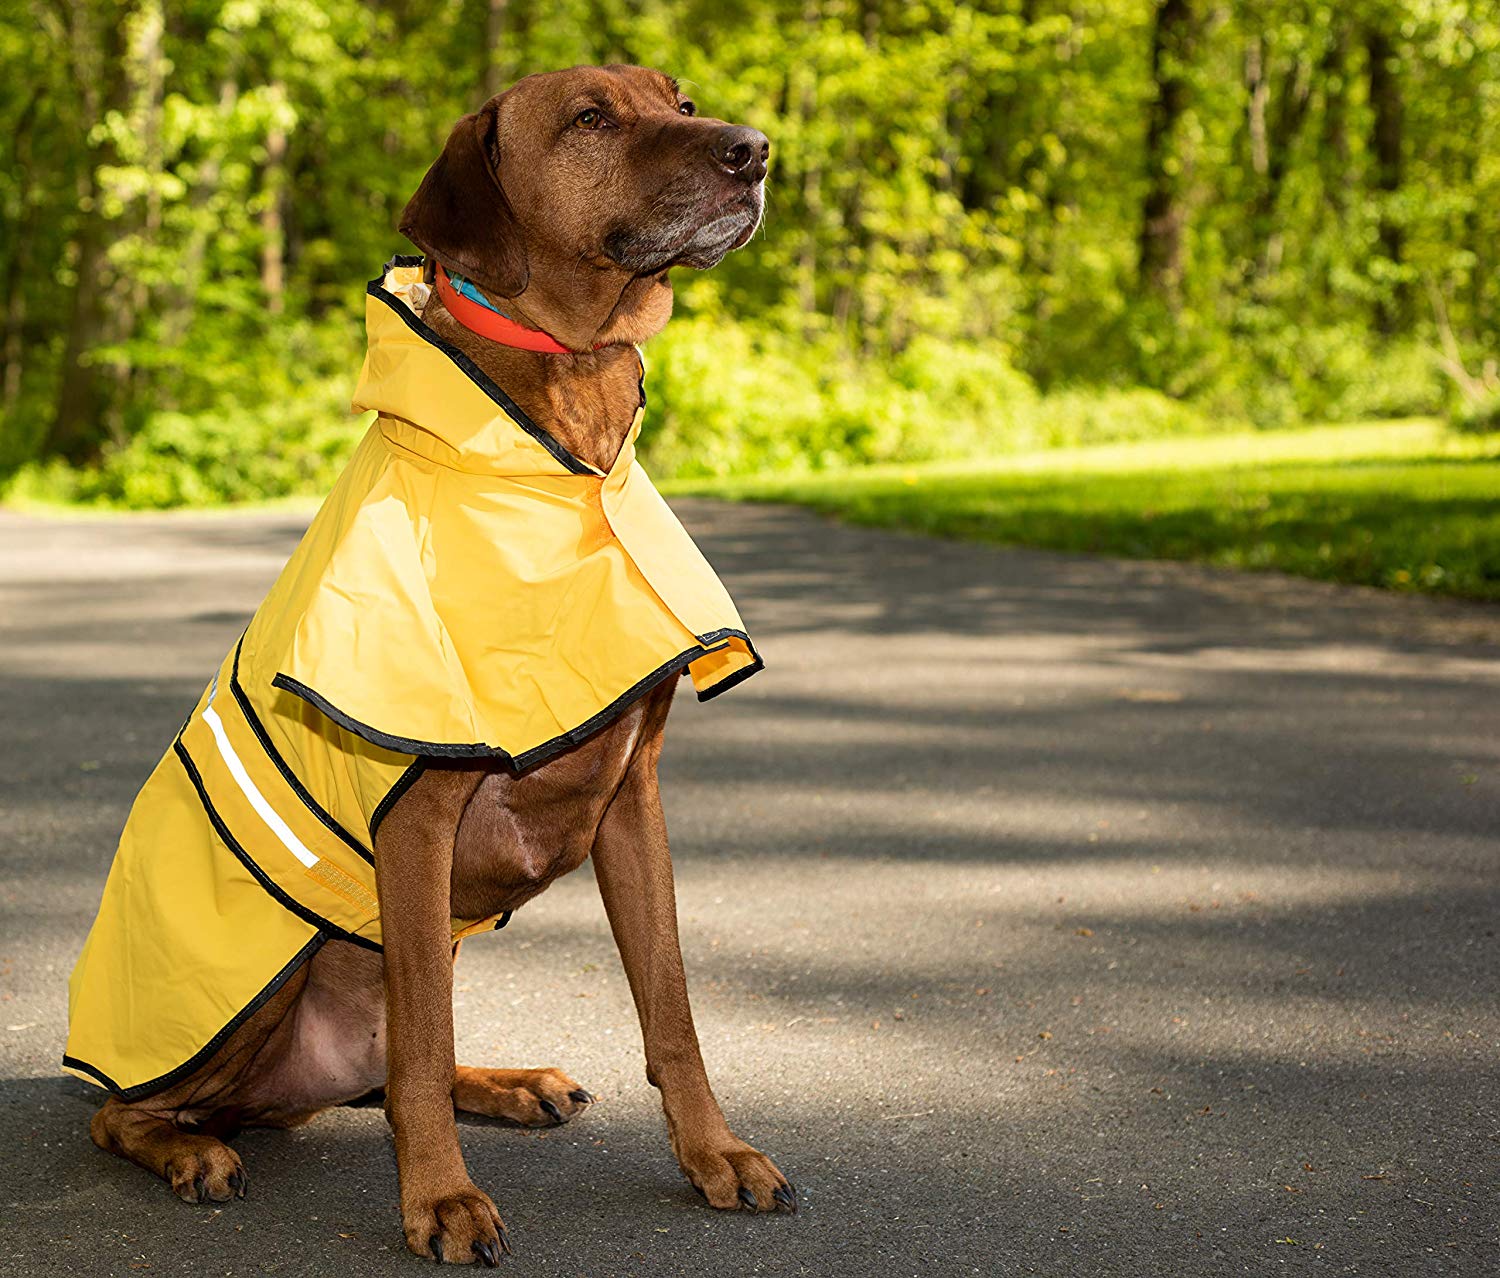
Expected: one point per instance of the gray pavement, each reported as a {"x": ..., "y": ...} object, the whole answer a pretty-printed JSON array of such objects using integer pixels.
[{"x": 1044, "y": 914}]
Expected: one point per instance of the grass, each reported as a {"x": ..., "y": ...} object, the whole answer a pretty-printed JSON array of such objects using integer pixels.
[{"x": 1401, "y": 505}]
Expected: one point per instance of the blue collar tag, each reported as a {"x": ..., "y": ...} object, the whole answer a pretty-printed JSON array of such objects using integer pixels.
[{"x": 463, "y": 288}]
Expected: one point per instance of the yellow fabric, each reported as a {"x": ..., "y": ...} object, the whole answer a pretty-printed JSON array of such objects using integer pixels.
[
  {"x": 468, "y": 589},
  {"x": 517, "y": 598}
]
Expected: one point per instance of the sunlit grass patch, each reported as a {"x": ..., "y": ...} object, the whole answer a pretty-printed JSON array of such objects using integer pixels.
[{"x": 1402, "y": 505}]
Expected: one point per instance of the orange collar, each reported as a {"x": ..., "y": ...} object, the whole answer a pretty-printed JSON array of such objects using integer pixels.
[{"x": 493, "y": 325}]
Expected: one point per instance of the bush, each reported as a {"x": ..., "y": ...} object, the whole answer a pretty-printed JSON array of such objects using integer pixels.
[
  {"x": 1476, "y": 415},
  {"x": 1286, "y": 375},
  {"x": 281, "y": 448},
  {"x": 1392, "y": 379},
  {"x": 1072, "y": 418},
  {"x": 730, "y": 398}
]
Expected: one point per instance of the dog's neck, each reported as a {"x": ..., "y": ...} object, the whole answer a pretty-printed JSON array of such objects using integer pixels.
[
  {"x": 587, "y": 401},
  {"x": 584, "y": 305}
]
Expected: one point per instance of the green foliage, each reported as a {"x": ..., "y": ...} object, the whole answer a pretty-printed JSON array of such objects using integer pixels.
[
  {"x": 1284, "y": 374},
  {"x": 953, "y": 260},
  {"x": 246, "y": 454},
  {"x": 1069, "y": 419},
  {"x": 1399, "y": 507},
  {"x": 1477, "y": 416},
  {"x": 730, "y": 398}
]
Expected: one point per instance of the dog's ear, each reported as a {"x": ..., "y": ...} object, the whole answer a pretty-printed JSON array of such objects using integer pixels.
[{"x": 460, "y": 214}]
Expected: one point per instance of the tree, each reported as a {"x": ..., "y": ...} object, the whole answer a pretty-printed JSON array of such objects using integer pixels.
[
  {"x": 1387, "y": 121},
  {"x": 1162, "y": 211}
]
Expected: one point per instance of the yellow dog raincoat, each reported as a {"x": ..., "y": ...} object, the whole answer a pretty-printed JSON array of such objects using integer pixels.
[{"x": 468, "y": 589}]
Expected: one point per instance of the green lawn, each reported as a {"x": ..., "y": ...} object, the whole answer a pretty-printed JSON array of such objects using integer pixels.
[{"x": 1404, "y": 505}]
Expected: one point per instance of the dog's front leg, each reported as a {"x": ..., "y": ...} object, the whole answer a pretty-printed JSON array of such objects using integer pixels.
[
  {"x": 442, "y": 1212},
  {"x": 634, "y": 870}
]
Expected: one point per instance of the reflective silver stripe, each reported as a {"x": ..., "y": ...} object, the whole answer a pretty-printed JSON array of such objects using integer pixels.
[{"x": 278, "y": 827}]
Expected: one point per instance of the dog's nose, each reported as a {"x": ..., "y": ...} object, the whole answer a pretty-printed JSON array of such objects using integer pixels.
[{"x": 741, "y": 152}]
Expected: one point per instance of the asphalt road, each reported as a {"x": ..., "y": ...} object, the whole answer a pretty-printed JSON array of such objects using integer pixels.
[{"x": 1045, "y": 915}]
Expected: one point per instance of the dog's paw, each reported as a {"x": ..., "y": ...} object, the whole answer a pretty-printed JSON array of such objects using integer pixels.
[
  {"x": 736, "y": 1176},
  {"x": 206, "y": 1171},
  {"x": 530, "y": 1097},
  {"x": 461, "y": 1228}
]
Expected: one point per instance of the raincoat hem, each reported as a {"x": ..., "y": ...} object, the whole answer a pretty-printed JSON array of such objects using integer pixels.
[
  {"x": 272, "y": 890},
  {"x": 734, "y": 680},
  {"x": 98, "y": 1075},
  {"x": 537, "y": 754},
  {"x": 413, "y": 321},
  {"x": 177, "y": 1072},
  {"x": 312, "y": 805},
  {"x": 716, "y": 639},
  {"x": 402, "y": 784}
]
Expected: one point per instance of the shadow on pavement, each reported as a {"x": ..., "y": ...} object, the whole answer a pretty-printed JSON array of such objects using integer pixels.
[{"x": 1045, "y": 915}]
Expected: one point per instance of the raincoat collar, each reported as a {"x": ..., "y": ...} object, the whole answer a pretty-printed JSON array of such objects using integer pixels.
[{"x": 476, "y": 427}]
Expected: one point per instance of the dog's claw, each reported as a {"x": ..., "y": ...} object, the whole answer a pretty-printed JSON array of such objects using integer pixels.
[
  {"x": 200, "y": 1188},
  {"x": 435, "y": 1244},
  {"x": 581, "y": 1096},
  {"x": 237, "y": 1183},
  {"x": 505, "y": 1243},
  {"x": 749, "y": 1199},
  {"x": 487, "y": 1252},
  {"x": 553, "y": 1110},
  {"x": 786, "y": 1195}
]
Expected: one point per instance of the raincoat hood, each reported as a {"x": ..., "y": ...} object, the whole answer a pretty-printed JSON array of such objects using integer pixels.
[
  {"x": 468, "y": 589},
  {"x": 472, "y": 588}
]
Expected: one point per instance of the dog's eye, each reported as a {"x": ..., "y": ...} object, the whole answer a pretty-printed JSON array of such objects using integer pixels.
[
  {"x": 687, "y": 108},
  {"x": 590, "y": 119}
]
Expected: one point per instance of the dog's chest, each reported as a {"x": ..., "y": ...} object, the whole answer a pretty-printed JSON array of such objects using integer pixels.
[{"x": 519, "y": 834}]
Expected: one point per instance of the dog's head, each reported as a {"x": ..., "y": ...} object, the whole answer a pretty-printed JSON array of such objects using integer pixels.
[{"x": 600, "y": 171}]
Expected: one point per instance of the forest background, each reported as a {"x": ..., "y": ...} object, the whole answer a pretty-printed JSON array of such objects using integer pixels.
[{"x": 991, "y": 227}]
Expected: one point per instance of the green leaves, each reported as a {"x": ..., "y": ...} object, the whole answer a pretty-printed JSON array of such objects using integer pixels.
[{"x": 946, "y": 177}]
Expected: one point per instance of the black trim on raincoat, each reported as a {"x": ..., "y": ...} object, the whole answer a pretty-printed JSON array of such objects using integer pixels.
[
  {"x": 403, "y": 783},
  {"x": 413, "y": 321},
  {"x": 528, "y": 759},
  {"x": 260, "y": 876},
  {"x": 290, "y": 777},
  {"x": 217, "y": 1041}
]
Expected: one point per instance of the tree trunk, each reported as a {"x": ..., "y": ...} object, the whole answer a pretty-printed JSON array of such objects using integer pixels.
[
  {"x": 1274, "y": 123},
  {"x": 1388, "y": 112},
  {"x": 182, "y": 305},
  {"x": 273, "y": 237},
  {"x": 492, "y": 67},
  {"x": 812, "y": 179},
  {"x": 1257, "y": 93},
  {"x": 151, "y": 70},
  {"x": 12, "y": 347},
  {"x": 1334, "y": 153},
  {"x": 15, "y": 320},
  {"x": 1003, "y": 114},
  {"x": 143, "y": 85},
  {"x": 75, "y": 433},
  {"x": 1162, "y": 212},
  {"x": 82, "y": 401},
  {"x": 857, "y": 241}
]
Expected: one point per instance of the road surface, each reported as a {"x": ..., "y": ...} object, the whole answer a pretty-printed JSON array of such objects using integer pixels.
[{"x": 1044, "y": 915}]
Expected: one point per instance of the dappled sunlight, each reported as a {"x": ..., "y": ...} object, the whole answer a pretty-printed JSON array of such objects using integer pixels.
[
  {"x": 1095, "y": 420},
  {"x": 1076, "y": 892}
]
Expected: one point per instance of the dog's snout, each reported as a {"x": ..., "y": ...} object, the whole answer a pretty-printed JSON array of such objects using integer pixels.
[{"x": 741, "y": 152}]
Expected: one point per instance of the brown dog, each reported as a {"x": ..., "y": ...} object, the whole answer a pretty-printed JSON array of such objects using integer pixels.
[{"x": 608, "y": 182}]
